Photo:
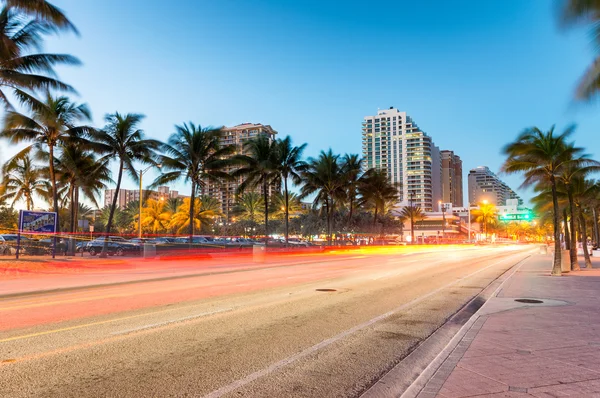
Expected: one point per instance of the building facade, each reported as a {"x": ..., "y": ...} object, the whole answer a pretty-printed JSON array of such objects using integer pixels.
[
  {"x": 127, "y": 196},
  {"x": 485, "y": 185},
  {"x": 452, "y": 185},
  {"x": 392, "y": 142},
  {"x": 225, "y": 192}
]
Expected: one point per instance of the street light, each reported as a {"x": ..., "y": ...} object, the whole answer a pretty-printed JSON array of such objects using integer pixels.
[
  {"x": 443, "y": 220},
  {"x": 141, "y": 189}
]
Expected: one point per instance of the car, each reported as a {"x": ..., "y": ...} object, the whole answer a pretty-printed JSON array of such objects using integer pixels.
[
  {"x": 118, "y": 247},
  {"x": 297, "y": 242},
  {"x": 163, "y": 240},
  {"x": 238, "y": 242},
  {"x": 8, "y": 244}
]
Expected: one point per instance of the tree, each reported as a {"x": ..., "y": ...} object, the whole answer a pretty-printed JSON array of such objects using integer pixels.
[
  {"x": 414, "y": 214},
  {"x": 155, "y": 216},
  {"x": 583, "y": 193},
  {"x": 78, "y": 169},
  {"x": 195, "y": 155},
  {"x": 52, "y": 123},
  {"x": 259, "y": 168},
  {"x": 324, "y": 177},
  {"x": 122, "y": 140},
  {"x": 585, "y": 12},
  {"x": 290, "y": 165},
  {"x": 279, "y": 210},
  {"x": 352, "y": 169},
  {"x": 485, "y": 215},
  {"x": 249, "y": 206},
  {"x": 377, "y": 191},
  {"x": 541, "y": 157},
  {"x": 204, "y": 214},
  {"x": 22, "y": 26},
  {"x": 21, "y": 180}
]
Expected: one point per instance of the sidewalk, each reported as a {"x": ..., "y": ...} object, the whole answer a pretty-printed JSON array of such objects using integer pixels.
[{"x": 512, "y": 349}]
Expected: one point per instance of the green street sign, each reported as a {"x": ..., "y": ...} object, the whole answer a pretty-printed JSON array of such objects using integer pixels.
[{"x": 518, "y": 217}]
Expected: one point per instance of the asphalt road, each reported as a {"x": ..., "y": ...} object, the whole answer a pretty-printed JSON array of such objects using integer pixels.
[{"x": 327, "y": 328}]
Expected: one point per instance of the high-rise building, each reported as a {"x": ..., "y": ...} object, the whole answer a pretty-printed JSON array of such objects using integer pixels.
[
  {"x": 485, "y": 185},
  {"x": 391, "y": 141},
  {"x": 225, "y": 192},
  {"x": 452, "y": 188},
  {"x": 130, "y": 195}
]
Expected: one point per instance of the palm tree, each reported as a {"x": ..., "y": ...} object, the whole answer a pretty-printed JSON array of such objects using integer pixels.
[
  {"x": 485, "y": 215},
  {"x": 52, "y": 123},
  {"x": 352, "y": 169},
  {"x": 290, "y": 165},
  {"x": 377, "y": 191},
  {"x": 583, "y": 193},
  {"x": 21, "y": 180},
  {"x": 541, "y": 157},
  {"x": 259, "y": 168},
  {"x": 203, "y": 214},
  {"x": 41, "y": 10},
  {"x": 195, "y": 155},
  {"x": 77, "y": 169},
  {"x": 279, "y": 210},
  {"x": 585, "y": 12},
  {"x": 121, "y": 139},
  {"x": 414, "y": 214},
  {"x": 578, "y": 167},
  {"x": 155, "y": 216},
  {"x": 22, "y": 25},
  {"x": 324, "y": 176},
  {"x": 249, "y": 206}
]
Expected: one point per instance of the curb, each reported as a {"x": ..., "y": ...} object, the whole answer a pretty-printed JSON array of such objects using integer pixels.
[{"x": 411, "y": 375}]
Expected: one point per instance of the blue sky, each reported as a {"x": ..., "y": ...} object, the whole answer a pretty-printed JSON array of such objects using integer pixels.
[{"x": 472, "y": 74}]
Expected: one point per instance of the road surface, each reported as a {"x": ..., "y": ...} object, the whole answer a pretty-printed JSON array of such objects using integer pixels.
[{"x": 324, "y": 328}]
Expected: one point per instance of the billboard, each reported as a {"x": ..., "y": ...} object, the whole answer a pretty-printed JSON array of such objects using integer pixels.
[{"x": 37, "y": 221}]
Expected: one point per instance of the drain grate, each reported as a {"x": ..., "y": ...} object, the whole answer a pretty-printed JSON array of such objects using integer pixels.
[
  {"x": 529, "y": 301},
  {"x": 325, "y": 290}
]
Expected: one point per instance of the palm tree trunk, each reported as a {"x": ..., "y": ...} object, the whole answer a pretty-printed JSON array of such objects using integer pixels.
[
  {"x": 192, "y": 203},
  {"x": 595, "y": 227},
  {"x": 266, "y": 200},
  {"x": 328, "y": 209},
  {"x": 72, "y": 208},
  {"x": 556, "y": 267},
  {"x": 412, "y": 228},
  {"x": 287, "y": 211},
  {"x": 573, "y": 251},
  {"x": 113, "y": 206},
  {"x": 350, "y": 210},
  {"x": 586, "y": 253},
  {"x": 76, "y": 206},
  {"x": 566, "y": 226},
  {"x": 375, "y": 216}
]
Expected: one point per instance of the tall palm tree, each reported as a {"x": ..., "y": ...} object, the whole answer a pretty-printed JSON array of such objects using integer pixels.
[
  {"x": 579, "y": 167},
  {"x": 541, "y": 157},
  {"x": 324, "y": 176},
  {"x": 485, "y": 216},
  {"x": 414, "y": 214},
  {"x": 51, "y": 123},
  {"x": 352, "y": 166},
  {"x": 290, "y": 165},
  {"x": 22, "y": 26},
  {"x": 587, "y": 13},
  {"x": 122, "y": 140},
  {"x": 249, "y": 206},
  {"x": 583, "y": 193},
  {"x": 194, "y": 154},
  {"x": 376, "y": 191},
  {"x": 78, "y": 169},
  {"x": 259, "y": 169},
  {"x": 21, "y": 180}
]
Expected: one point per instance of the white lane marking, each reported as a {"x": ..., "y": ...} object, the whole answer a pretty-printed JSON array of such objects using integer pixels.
[
  {"x": 159, "y": 324},
  {"x": 284, "y": 362}
]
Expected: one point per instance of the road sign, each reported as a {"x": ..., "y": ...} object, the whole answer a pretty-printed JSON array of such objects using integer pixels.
[{"x": 516, "y": 216}]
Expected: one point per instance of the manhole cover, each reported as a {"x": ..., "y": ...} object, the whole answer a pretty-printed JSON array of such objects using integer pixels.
[
  {"x": 325, "y": 290},
  {"x": 529, "y": 301}
]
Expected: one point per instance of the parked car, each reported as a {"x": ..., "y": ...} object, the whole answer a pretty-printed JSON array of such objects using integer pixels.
[
  {"x": 118, "y": 247},
  {"x": 8, "y": 244},
  {"x": 238, "y": 242}
]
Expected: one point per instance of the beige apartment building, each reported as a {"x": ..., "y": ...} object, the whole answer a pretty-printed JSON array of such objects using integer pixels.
[{"x": 452, "y": 181}]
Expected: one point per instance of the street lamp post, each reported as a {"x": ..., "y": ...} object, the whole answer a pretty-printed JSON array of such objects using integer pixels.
[
  {"x": 443, "y": 221},
  {"x": 141, "y": 190}
]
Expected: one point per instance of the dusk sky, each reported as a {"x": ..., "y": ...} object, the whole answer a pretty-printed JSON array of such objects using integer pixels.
[{"x": 472, "y": 74}]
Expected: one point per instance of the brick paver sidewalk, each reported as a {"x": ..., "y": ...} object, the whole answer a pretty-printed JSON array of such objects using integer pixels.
[{"x": 549, "y": 349}]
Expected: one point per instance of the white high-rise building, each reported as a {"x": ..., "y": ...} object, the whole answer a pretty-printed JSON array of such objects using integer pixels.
[{"x": 391, "y": 141}]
